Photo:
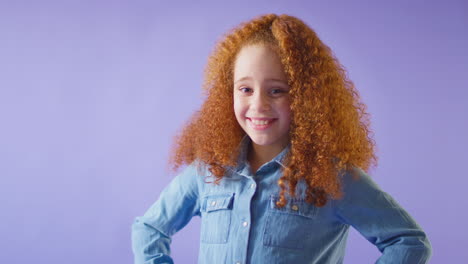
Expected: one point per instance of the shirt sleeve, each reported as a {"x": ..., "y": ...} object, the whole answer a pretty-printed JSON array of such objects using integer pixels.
[
  {"x": 177, "y": 204},
  {"x": 382, "y": 221}
]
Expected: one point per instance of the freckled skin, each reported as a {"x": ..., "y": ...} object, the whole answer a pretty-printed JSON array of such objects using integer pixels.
[{"x": 261, "y": 91}]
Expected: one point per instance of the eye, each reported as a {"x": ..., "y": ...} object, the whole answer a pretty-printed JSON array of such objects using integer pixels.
[
  {"x": 277, "y": 91},
  {"x": 245, "y": 89}
]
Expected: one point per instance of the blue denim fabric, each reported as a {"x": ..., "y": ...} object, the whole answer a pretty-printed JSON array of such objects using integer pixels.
[{"x": 240, "y": 223}]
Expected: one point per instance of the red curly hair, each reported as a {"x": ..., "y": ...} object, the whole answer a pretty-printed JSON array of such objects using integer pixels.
[{"x": 330, "y": 128}]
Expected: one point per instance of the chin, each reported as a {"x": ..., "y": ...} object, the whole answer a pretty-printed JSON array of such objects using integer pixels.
[{"x": 261, "y": 142}]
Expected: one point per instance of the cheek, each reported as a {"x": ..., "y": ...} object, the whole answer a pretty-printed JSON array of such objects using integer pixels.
[
  {"x": 238, "y": 109},
  {"x": 285, "y": 110}
]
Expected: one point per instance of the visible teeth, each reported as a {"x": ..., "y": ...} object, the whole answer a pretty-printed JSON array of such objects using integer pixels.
[{"x": 260, "y": 122}]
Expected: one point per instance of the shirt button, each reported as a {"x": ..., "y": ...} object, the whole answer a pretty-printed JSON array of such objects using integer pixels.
[
  {"x": 245, "y": 223},
  {"x": 213, "y": 203},
  {"x": 295, "y": 207},
  {"x": 238, "y": 262},
  {"x": 252, "y": 185}
]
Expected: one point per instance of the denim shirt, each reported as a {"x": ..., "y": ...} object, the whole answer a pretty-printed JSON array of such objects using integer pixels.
[{"x": 240, "y": 223}]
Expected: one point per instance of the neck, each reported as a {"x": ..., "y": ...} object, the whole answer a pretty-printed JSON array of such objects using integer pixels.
[{"x": 259, "y": 155}]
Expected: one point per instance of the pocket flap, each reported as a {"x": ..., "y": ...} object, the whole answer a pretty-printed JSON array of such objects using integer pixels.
[
  {"x": 217, "y": 202},
  {"x": 295, "y": 206}
]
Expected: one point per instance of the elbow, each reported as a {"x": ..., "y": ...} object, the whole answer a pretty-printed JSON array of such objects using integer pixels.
[
  {"x": 408, "y": 249},
  {"x": 148, "y": 241},
  {"x": 137, "y": 241},
  {"x": 420, "y": 251},
  {"x": 427, "y": 248},
  {"x": 137, "y": 235},
  {"x": 137, "y": 227},
  {"x": 141, "y": 232},
  {"x": 423, "y": 247},
  {"x": 137, "y": 222}
]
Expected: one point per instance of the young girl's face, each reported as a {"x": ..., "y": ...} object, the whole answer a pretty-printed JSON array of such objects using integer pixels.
[{"x": 261, "y": 96}]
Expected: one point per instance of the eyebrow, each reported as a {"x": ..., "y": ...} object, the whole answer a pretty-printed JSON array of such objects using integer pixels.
[{"x": 270, "y": 80}]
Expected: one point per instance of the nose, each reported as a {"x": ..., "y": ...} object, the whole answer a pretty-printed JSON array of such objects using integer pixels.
[{"x": 261, "y": 102}]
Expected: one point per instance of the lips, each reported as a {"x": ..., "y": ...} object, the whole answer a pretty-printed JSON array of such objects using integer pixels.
[
  {"x": 260, "y": 123},
  {"x": 261, "y": 118}
]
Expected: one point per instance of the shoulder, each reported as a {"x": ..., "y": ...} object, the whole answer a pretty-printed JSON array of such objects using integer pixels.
[
  {"x": 190, "y": 178},
  {"x": 193, "y": 170},
  {"x": 356, "y": 177},
  {"x": 358, "y": 185}
]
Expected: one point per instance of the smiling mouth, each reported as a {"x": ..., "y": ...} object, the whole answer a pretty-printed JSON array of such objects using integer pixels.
[{"x": 261, "y": 123}]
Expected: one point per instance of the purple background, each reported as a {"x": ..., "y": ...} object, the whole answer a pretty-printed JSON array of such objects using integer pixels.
[{"x": 92, "y": 92}]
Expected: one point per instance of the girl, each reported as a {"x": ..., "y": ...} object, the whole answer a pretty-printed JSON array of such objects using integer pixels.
[{"x": 276, "y": 160}]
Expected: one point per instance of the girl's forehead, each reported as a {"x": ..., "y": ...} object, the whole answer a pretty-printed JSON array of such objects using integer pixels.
[
  {"x": 258, "y": 62},
  {"x": 256, "y": 49}
]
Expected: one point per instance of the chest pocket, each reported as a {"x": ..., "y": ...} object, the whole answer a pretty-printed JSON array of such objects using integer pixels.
[
  {"x": 216, "y": 213},
  {"x": 290, "y": 226}
]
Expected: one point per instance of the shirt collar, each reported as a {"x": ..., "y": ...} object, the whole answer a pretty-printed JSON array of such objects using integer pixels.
[{"x": 243, "y": 167}]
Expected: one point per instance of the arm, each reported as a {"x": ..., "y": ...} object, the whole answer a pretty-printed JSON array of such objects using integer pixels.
[
  {"x": 382, "y": 221},
  {"x": 177, "y": 204}
]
